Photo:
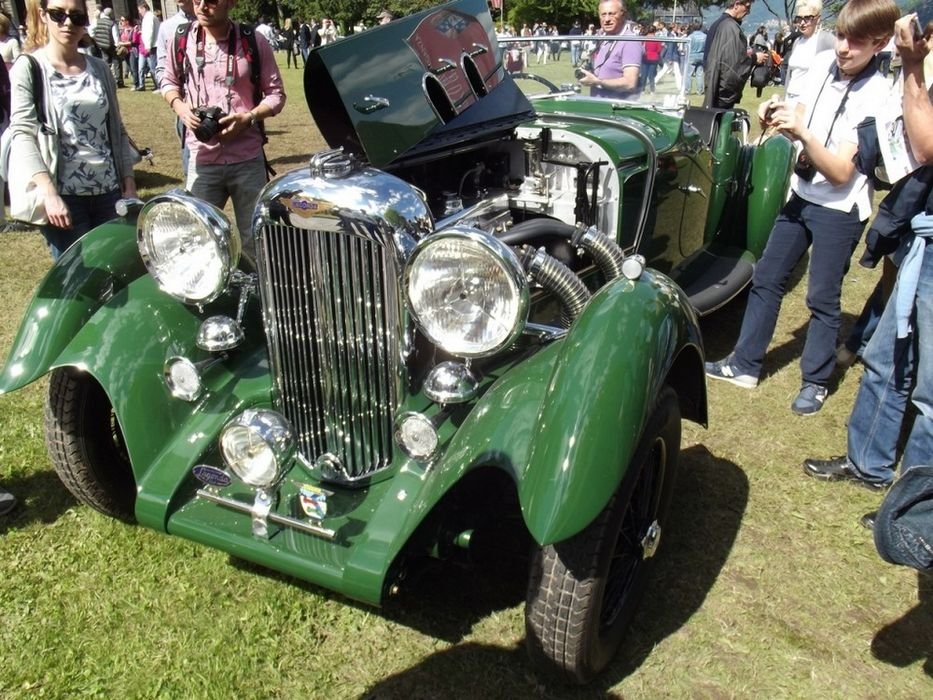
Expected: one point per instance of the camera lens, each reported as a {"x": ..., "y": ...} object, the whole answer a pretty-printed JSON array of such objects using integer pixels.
[
  {"x": 578, "y": 73},
  {"x": 804, "y": 168}
]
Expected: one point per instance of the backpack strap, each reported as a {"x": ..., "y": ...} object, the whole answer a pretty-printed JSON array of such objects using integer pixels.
[
  {"x": 251, "y": 51},
  {"x": 179, "y": 51}
]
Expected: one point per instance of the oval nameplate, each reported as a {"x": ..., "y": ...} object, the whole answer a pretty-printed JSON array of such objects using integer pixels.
[{"x": 212, "y": 476}]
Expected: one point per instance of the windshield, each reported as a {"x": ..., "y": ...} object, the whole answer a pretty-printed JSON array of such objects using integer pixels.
[{"x": 644, "y": 70}]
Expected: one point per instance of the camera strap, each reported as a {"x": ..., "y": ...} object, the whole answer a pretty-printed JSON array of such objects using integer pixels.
[{"x": 856, "y": 81}]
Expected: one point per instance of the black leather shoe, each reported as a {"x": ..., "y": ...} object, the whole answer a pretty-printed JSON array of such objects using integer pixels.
[
  {"x": 839, "y": 469},
  {"x": 868, "y": 520}
]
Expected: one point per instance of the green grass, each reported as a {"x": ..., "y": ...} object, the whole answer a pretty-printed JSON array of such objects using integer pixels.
[{"x": 767, "y": 587}]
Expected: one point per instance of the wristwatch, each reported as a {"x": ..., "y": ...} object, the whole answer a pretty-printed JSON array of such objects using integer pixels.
[{"x": 252, "y": 118}]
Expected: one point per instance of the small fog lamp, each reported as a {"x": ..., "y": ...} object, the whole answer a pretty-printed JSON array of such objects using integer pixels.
[
  {"x": 219, "y": 333},
  {"x": 183, "y": 379},
  {"x": 258, "y": 445},
  {"x": 416, "y": 435}
]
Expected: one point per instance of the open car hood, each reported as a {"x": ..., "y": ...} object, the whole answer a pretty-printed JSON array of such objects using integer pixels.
[{"x": 428, "y": 81}]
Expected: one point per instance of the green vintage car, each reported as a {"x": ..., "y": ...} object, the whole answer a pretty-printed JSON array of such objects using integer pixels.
[{"x": 475, "y": 314}]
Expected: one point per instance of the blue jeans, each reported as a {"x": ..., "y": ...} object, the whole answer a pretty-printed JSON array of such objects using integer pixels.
[
  {"x": 696, "y": 76},
  {"x": 919, "y": 449},
  {"x": 241, "y": 182},
  {"x": 833, "y": 236},
  {"x": 651, "y": 72},
  {"x": 890, "y": 364},
  {"x": 87, "y": 212}
]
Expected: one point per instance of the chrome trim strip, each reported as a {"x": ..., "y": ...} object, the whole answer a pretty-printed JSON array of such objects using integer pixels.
[{"x": 247, "y": 508}]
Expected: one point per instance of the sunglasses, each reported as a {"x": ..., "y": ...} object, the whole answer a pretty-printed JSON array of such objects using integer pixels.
[
  {"x": 805, "y": 18},
  {"x": 57, "y": 15}
]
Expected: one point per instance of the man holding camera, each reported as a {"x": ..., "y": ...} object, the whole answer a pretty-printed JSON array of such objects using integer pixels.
[
  {"x": 614, "y": 64},
  {"x": 214, "y": 87},
  {"x": 829, "y": 204}
]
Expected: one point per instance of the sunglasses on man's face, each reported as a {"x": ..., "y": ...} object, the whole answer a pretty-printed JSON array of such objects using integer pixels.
[
  {"x": 57, "y": 15},
  {"x": 800, "y": 19}
]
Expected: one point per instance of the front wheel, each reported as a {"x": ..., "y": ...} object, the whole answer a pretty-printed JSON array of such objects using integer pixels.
[
  {"x": 583, "y": 591},
  {"x": 86, "y": 445}
]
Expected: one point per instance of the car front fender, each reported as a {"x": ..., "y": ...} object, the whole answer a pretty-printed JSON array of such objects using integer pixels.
[
  {"x": 613, "y": 363},
  {"x": 87, "y": 276}
]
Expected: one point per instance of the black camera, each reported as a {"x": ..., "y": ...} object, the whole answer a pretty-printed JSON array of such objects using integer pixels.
[
  {"x": 804, "y": 168},
  {"x": 578, "y": 73},
  {"x": 210, "y": 122}
]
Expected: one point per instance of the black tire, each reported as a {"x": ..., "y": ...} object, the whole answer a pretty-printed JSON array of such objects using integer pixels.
[
  {"x": 583, "y": 592},
  {"x": 86, "y": 444}
]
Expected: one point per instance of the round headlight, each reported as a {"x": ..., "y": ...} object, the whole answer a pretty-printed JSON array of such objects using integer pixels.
[
  {"x": 467, "y": 292},
  {"x": 188, "y": 247},
  {"x": 258, "y": 446}
]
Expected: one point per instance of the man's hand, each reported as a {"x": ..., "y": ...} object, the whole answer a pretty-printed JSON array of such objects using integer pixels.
[
  {"x": 235, "y": 124},
  {"x": 587, "y": 78},
  {"x": 912, "y": 51},
  {"x": 183, "y": 111}
]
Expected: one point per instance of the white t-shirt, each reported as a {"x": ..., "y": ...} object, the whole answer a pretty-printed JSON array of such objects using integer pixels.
[
  {"x": 801, "y": 60},
  {"x": 823, "y": 94}
]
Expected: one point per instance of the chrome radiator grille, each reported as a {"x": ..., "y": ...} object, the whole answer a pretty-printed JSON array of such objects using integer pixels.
[{"x": 331, "y": 312}]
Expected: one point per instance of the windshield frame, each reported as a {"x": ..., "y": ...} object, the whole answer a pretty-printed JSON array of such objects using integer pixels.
[{"x": 536, "y": 58}]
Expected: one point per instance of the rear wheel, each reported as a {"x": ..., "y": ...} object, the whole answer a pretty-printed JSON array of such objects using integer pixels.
[
  {"x": 86, "y": 444},
  {"x": 583, "y": 592}
]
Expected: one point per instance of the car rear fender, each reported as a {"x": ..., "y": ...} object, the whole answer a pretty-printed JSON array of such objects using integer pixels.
[
  {"x": 87, "y": 276},
  {"x": 632, "y": 338},
  {"x": 770, "y": 169}
]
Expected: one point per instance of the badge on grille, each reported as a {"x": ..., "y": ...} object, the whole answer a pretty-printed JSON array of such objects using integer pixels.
[{"x": 313, "y": 501}]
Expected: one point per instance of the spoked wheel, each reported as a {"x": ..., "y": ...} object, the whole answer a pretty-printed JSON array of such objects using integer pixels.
[
  {"x": 86, "y": 444},
  {"x": 583, "y": 592}
]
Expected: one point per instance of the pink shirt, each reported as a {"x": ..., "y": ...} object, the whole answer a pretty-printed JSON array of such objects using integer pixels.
[{"x": 208, "y": 88}]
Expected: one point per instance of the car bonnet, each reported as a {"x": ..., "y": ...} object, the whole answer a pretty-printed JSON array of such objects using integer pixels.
[{"x": 421, "y": 83}]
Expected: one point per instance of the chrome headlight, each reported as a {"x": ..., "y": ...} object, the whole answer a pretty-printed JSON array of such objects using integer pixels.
[
  {"x": 467, "y": 292},
  {"x": 258, "y": 446},
  {"x": 188, "y": 246}
]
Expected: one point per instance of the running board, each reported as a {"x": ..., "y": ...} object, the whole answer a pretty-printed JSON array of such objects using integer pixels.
[{"x": 711, "y": 281}]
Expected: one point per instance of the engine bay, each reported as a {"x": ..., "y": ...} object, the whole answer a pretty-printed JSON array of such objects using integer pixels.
[{"x": 538, "y": 172}]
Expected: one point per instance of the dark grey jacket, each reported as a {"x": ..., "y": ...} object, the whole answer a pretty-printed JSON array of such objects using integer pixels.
[{"x": 728, "y": 63}]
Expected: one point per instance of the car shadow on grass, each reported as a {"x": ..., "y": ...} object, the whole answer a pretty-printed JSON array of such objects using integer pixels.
[
  {"x": 910, "y": 638},
  {"x": 40, "y": 497},
  {"x": 707, "y": 510}
]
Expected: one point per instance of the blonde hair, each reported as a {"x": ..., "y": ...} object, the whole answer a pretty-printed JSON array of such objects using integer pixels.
[
  {"x": 37, "y": 34},
  {"x": 809, "y": 7}
]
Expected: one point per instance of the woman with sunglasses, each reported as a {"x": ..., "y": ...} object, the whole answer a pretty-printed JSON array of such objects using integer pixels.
[
  {"x": 810, "y": 41},
  {"x": 82, "y": 163}
]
